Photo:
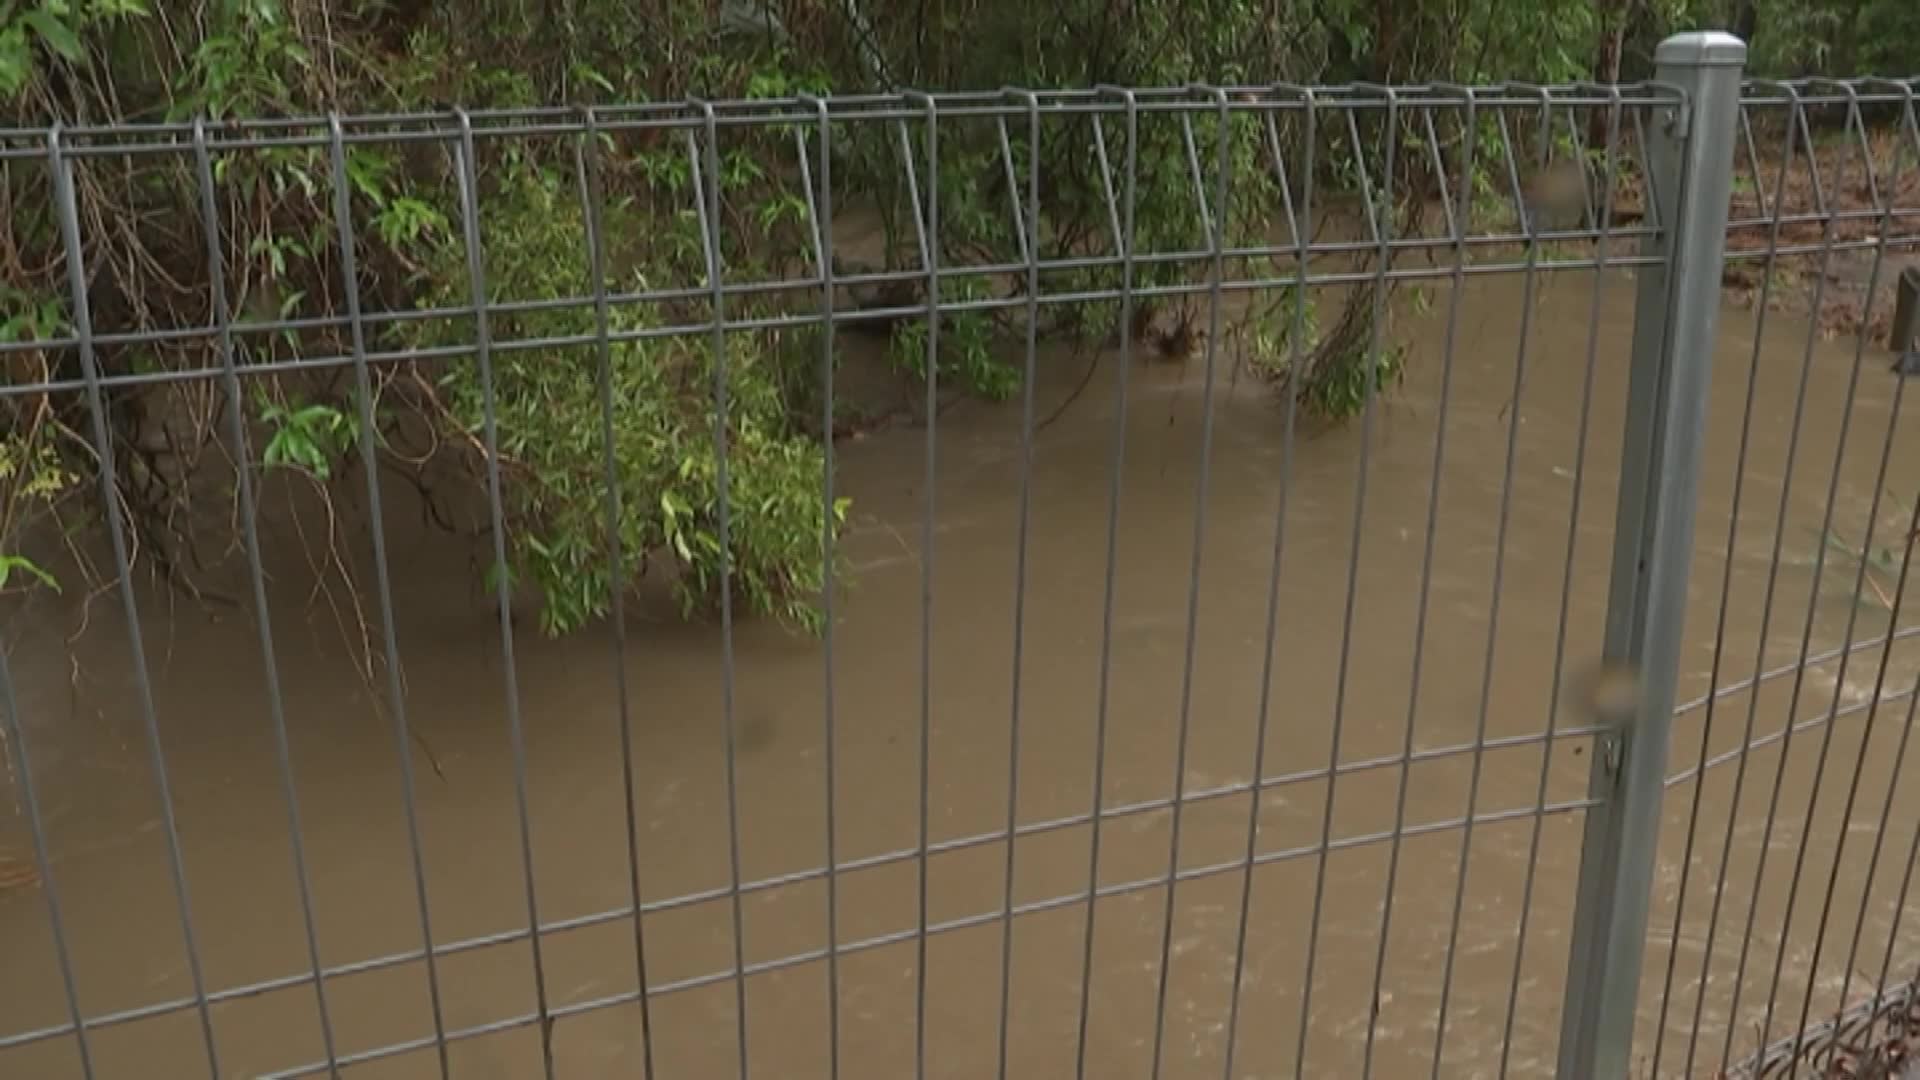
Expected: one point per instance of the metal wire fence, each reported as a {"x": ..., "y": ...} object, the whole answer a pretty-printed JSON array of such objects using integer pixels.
[
  {"x": 1830, "y": 186},
  {"x": 1292, "y": 807}
]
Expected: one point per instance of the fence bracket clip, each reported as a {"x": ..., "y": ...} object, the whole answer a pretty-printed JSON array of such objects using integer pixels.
[{"x": 1677, "y": 120}]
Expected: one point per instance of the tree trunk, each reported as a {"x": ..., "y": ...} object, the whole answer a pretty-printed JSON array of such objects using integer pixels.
[
  {"x": 1386, "y": 33},
  {"x": 1606, "y": 62}
]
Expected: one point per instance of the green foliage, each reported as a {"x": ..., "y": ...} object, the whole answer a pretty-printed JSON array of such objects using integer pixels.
[
  {"x": 1798, "y": 37},
  {"x": 52, "y": 31},
  {"x": 32, "y": 479},
  {"x": 548, "y": 418},
  {"x": 1338, "y": 388},
  {"x": 310, "y": 437},
  {"x": 24, "y": 317},
  {"x": 1330, "y": 370},
  {"x": 95, "y": 61},
  {"x": 1330, "y": 376},
  {"x": 33, "y": 470},
  {"x": 1283, "y": 334},
  {"x": 969, "y": 356},
  {"x": 20, "y": 564},
  {"x": 983, "y": 179},
  {"x": 246, "y": 65}
]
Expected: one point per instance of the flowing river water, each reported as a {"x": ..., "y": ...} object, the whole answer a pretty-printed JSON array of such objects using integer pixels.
[{"x": 78, "y": 706}]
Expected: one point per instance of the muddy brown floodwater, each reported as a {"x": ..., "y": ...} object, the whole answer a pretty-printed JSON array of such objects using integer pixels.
[{"x": 77, "y": 703}]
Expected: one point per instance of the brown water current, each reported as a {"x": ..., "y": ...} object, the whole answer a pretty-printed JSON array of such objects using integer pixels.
[{"x": 79, "y": 709}]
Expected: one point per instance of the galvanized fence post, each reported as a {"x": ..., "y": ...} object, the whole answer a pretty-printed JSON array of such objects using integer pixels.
[{"x": 1689, "y": 177}]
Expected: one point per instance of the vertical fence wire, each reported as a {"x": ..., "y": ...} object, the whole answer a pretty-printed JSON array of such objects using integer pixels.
[
  {"x": 1381, "y": 234},
  {"x": 1530, "y": 226},
  {"x": 1900, "y": 902},
  {"x": 1405, "y": 768},
  {"x": 382, "y": 574},
  {"x": 1301, "y": 229},
  {"x": 67, "y": 208},
  {"x": 257, "y": 580},
  {"x": 703, "y": 152},
  {"x": 1459, "y": 223},
  {"x": 13, "y": 731},
  {"x": 587, "y": 161},
  {"x": 1027, "y": 226},
  {"x": 1610, "y": 168},
  {"x": 930, "y": 256},
  {"x": 1125, "y": 235},
  {"x": 820, "y": 212},
  {"x": 1216, "y": 244},
  {"x": 467, "y": 173}
]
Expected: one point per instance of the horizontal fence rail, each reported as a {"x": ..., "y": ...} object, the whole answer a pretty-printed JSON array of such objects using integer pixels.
[{"x": 1338, "y": 247}]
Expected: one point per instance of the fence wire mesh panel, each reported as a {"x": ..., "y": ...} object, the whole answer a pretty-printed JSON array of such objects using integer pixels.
[
  {"x": 1105, "y": 583},
  {"x": 1779, "y": 942}
]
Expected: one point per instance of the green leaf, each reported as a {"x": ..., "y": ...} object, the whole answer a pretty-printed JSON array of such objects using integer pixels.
[
  {"x": 10, "y": 563},
  {"x": 585, "y": 73},
  {"x": 16, "y": 60},
  {"x": 58, "y": 36}
]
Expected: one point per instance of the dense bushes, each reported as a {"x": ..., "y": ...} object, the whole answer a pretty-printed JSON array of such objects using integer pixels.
[
  {"x": 94, "y": 61},
  {"x": 549, "y": 423}
]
